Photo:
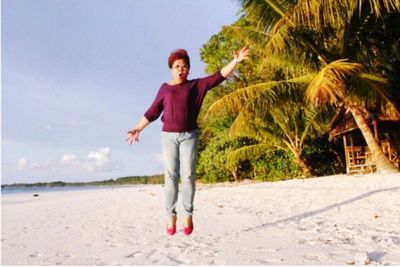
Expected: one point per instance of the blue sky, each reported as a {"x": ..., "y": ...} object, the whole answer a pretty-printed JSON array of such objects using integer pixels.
[{"x": 78, "y": 74}]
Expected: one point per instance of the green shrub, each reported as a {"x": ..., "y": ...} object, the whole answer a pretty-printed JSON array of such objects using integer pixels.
[
  {"x": 323, "y": 157},
  {"x": 275, "y": 166},
  {"x": 212, "y": 160}
]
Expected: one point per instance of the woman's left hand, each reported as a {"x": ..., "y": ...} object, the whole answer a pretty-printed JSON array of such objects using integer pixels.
[
  {"x": 237, "y": 58},
  {"x": 241, "y": 55}
]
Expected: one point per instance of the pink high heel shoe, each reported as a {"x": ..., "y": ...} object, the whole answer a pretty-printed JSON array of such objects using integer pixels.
[
  {"x": 172, "y": 230},
  {"x": 188, "y": 230}
]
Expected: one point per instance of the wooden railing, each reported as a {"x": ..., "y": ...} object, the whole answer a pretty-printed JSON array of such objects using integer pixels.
[
  {"x": 392, "y": 154},
  {"x": 359, "y": 159}
]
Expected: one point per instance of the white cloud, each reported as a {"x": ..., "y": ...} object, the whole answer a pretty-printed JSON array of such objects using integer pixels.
[
  {"x": 100, "y": 157},
  {"x": 51, "y": 165},
  {"x": 22, "y": 164},
  {"x": 68, "y": 159},
  {"x": 99, "y": 161},
  {"x": 38, "y": 165},
  {"x": 95, "y": 161}
]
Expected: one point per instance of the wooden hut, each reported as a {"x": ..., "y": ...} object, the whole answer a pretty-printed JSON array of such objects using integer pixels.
[{"x": 386, "y": 131}]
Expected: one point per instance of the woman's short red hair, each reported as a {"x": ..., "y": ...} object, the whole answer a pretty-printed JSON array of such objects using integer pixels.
[{"x": 178, "y": 54}]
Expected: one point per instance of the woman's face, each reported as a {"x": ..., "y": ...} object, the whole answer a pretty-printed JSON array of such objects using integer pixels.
[{"x": 179, "y": 70}]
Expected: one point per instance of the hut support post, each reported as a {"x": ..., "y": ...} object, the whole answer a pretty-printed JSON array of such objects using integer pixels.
[{"x": 346, "y": 154}]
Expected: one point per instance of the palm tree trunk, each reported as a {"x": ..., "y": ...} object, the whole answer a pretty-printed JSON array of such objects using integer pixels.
[
  {"x": 235, "y": 174},
  {"x": 298, "y": 158},
  {"x": 383, "y": 164}
]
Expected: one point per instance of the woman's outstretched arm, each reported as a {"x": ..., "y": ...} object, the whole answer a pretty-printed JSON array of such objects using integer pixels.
[
  {"x": 133, "y": 135},
  {"x": 237, "y": 58}
]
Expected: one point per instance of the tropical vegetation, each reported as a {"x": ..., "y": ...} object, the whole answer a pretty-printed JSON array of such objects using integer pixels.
[{"x": 309, "y": 59}]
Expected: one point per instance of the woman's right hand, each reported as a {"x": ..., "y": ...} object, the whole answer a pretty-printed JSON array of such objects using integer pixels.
[{"x": 133, "y": 136}]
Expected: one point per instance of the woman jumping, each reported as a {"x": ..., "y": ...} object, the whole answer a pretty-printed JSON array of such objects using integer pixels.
[{"x": 180, "y": 100}]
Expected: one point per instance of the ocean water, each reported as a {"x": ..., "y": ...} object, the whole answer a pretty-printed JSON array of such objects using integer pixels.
[{"x": 43, "y": 189}]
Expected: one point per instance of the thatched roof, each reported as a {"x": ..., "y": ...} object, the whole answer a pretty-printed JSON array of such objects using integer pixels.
[{"x": 343, "y": 122}]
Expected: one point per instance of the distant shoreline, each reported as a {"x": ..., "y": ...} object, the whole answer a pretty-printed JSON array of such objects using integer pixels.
[
  {"x": 43, "y": 189},
  {"x": 129, "y": 180}
]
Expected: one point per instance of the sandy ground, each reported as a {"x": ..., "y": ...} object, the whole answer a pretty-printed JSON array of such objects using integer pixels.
[{"x": 335, "y": 220}]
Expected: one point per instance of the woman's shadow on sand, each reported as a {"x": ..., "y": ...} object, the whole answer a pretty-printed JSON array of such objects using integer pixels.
[{"x": 318, "y": 211}]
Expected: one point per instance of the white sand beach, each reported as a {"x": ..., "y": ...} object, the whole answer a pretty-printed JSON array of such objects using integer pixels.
[{"x": 334, "y": 220}]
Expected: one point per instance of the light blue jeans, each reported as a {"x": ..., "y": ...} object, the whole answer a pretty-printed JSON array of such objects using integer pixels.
[{"x": 180, "y": 158}]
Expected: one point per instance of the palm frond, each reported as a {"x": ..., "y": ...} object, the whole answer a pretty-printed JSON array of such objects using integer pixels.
[
  {"x": 291, "y": 65},
  {"x": 312, "y": 123},
  {"x": 249, "y": 33},
  {"x": 237, "y": 100},
  {"x": 283, "y": 121},
  {"x": 248, "y": 124},
  {"x": 376, "y": 85},
  {"x": 328, "y": 85},
  {"x": 266, "y": 12},
  {"x": 378, "y": 6},
  {"x": 317, "y": 14},
  {"x": 244, "y": 126}
]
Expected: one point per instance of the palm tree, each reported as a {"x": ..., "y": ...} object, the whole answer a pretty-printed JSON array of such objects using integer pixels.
[
  {"x": 328, "y": 40},
  {"x": 276, "y": 115}
]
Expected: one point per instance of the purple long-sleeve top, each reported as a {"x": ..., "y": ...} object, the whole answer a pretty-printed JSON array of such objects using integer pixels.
[{"x": 181, "y": 103}]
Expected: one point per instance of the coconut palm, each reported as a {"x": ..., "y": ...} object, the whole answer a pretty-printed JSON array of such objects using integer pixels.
[
  {"x": 331, "y": 41},
  {"x": 276, "y": 115}
]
